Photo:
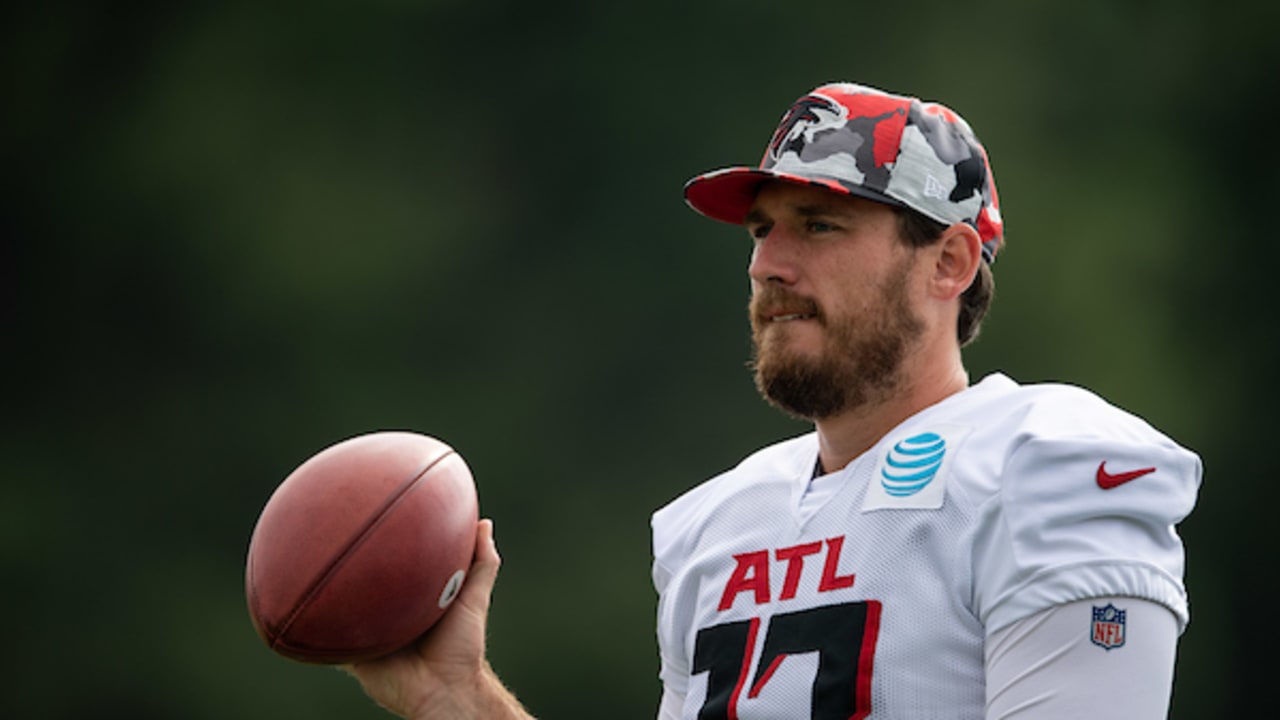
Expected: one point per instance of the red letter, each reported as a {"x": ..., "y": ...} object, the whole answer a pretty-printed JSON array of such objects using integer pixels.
[
  {"x": 795, "y": 565},
  {"x": 751, "y": 574},
  {"x": 831, "y": 581}
]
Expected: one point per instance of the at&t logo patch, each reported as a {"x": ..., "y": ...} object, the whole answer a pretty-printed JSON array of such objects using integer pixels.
[
  {"x": 913, "y": 468},
  {"x": 913, "y": 464}
]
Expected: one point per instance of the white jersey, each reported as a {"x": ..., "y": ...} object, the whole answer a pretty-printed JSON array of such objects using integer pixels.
[{"x": 871, "y": 590}]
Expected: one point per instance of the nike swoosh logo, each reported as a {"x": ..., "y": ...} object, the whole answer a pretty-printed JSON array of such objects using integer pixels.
[{"x": 1107, "y": 481}]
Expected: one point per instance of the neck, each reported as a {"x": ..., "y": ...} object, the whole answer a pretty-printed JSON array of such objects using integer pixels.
[{"x": 843, "y": 437}]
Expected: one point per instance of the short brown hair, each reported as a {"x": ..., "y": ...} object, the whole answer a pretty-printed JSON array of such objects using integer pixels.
[{"x": 917, "y": 230}]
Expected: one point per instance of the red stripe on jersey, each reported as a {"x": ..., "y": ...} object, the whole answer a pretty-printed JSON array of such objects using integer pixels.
[
  {"x": 732, "y": 711},
  {"x": 764, "y": 676},
  {"x": 866, "y": 658}
]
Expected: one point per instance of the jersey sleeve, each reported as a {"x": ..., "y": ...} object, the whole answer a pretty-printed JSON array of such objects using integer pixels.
[
  {"x": 1047, "y": 666},
  {"x": 674, "y": 669},
  {"x": 671, "y": 707},
  {"x": 668, "y": 552},
  {"x": 1084, "y": 517}
]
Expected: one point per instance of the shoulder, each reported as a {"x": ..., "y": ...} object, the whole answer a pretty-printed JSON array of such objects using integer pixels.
[
  {"x": 1030, "y": 425},
  {"x": 1066, "y": 411},
  {"x": 1062, "y": 424},
  {"x": 1077, "y": 498},
  {"x": 1051, "y": 410}
]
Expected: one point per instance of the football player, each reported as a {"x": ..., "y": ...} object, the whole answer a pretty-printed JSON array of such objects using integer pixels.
[{"x": 935, "y": 548}]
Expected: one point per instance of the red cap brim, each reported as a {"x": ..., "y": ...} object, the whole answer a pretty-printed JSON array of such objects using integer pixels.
[{"x": 727, "y": 195}]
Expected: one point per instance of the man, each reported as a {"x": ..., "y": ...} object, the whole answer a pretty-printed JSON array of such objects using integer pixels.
[{"x": 933, "y": 549}]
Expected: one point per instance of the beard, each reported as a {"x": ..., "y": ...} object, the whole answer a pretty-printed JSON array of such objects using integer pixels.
[{"x": 859, "y": 364}]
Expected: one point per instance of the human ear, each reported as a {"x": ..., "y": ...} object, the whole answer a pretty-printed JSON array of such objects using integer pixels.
[{"x": 958, "y": 254}]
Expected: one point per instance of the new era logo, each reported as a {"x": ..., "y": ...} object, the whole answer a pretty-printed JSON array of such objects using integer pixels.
[{"x": 934, "y": 188}]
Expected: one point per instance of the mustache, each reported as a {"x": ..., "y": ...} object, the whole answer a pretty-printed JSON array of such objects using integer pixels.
[{"x": 772, "y": 300}]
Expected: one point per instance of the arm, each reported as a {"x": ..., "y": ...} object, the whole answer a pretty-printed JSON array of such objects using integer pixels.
[
  {"x": 1046, "y": 666},
  {"x": 446, "y": 675},
  {"x": 1058, "y": 540}
]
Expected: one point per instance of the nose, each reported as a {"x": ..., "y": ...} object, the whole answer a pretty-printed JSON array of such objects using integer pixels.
[{"x": 773, "y": 259}]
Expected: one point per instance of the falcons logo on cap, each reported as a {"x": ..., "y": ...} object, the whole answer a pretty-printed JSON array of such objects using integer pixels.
[{"x": 809, "y": 115}]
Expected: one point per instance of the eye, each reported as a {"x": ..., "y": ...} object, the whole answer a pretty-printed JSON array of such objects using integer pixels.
[
  {"x": 818, "y": 226},
  {"x": 760, "y": 230}
]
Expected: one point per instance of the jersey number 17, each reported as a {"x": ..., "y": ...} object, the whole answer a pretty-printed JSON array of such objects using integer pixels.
[{"x": 843, "y": 636}]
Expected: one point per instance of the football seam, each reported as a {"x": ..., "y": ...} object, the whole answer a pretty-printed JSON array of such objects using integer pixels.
[{"x": 376, "y": 519}]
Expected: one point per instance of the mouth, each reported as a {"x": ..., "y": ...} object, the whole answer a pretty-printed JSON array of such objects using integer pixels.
[
  {"x": 790, "y": 317},
  {"x": 772, "y": 306}
]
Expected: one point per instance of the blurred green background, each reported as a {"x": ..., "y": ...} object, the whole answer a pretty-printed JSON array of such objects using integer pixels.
[{"x": 237, "y": 232}]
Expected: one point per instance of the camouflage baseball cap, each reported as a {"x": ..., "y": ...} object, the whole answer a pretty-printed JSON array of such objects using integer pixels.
[{"x": 857, "y": 140}]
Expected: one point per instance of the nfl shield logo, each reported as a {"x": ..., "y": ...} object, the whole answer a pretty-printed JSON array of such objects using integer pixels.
[{"x": 1108, "y": 626}]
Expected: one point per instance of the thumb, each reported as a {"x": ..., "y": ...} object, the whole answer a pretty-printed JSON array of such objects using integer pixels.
[{"x": 484, "y": 569}]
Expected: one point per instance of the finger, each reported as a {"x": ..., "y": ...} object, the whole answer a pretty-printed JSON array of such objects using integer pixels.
[
  {"x": 486, "y": 546},
  {"x": 484, "y": 568}
]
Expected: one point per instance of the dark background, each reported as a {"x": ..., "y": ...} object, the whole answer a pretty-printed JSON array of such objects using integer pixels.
[{"x": 235, "y": 234}]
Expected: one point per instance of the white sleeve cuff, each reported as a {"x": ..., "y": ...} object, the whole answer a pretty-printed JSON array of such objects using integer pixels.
[{"x": 1067, "y": 584}]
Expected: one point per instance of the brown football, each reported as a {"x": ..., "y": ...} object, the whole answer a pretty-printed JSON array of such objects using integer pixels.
[{"x": 362, "y": 548}]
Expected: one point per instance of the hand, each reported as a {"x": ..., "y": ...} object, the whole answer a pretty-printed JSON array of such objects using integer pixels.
[{"x": 445, "y": 674}]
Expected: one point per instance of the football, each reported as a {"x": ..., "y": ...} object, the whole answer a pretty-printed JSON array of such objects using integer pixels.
[{"x": 362, "y": 548}]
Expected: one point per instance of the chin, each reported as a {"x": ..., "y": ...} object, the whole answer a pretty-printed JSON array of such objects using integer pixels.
[
  {"x": 796, "y": 336},
  {"x": 793, "y": 344}
]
